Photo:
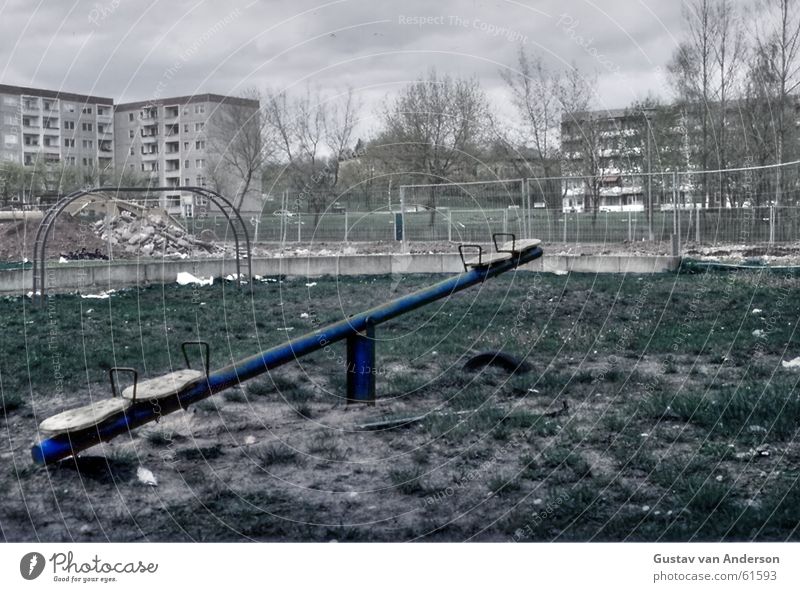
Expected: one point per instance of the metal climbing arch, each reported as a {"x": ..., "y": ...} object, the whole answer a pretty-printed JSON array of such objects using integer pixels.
[{"x": 49, "y": 218}]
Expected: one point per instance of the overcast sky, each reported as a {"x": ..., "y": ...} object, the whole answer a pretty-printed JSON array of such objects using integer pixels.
[{"x": 136, "y": 50}]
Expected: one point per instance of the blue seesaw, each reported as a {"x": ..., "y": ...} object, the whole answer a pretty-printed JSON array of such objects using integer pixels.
[{"x": 72, "y": 431}]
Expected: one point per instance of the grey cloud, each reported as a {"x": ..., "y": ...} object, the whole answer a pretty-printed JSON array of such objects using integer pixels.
[{"x": 191, "y": 46}]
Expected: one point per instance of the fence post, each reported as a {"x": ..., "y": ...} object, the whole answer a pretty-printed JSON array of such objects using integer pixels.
[
  {"x": 505, "y": 221},
  {"x": 677, "y": 198},
  {"x": 527, "y": 197},
  {"x": 697, "y": 224},
  {"x": 449, "y": 225},
  {"x": 630, "y": 227},
  {"x": 402, "y": 219},
  {"x": 771, "y": 224}
]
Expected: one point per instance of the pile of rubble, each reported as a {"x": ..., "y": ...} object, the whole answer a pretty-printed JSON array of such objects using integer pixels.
[{"x": 153, "y": 236}]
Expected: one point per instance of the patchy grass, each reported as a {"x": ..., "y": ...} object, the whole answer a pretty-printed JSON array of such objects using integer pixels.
[
  {"x": 408, "y": 481},
  {"x": 681, "y": 425},
  {"x": 275, "y": 454},
  {"x": 10, "y": 402}
]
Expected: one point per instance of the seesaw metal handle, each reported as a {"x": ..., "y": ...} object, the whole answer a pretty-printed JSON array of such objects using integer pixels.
[
  {"x": 513, "y": 241},
  {"x": 461, "y": 254},
  {"x": 116, "y": 370},
  {"x": 202, "y": 344}
]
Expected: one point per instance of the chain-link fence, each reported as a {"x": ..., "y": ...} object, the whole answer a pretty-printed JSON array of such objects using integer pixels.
[{"x": 735, "y": 206}]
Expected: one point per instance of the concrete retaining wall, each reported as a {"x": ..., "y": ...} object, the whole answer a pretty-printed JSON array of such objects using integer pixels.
[{"x": 100, "y": 275}]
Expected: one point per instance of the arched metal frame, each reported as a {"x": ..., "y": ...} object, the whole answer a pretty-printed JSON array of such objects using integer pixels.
[{"x": 43, "y": 231}]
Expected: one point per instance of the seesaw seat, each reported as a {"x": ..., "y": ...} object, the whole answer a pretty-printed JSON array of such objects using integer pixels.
[
  {"x": 520, "y": 246},
  {"x": 163, "y": 386},
  {"x": 84, "y": 417},
  {"x": 487, "y": 260}
]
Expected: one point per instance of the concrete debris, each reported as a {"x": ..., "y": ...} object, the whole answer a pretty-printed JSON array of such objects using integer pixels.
[{"x": 152, "y": 236}]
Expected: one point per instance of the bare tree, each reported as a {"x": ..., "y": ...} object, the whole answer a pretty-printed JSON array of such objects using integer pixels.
[
  {"x": 313, "y": 136},
  {"x": 536, "y": 95},
  {"x": 582, "y": 134},
  {"x": 705, "y": 71},
  {"x": 240, "y": 147},
  {"x": 777, "y": 41},
  {"x": 434, "y": 125},
  {"x": 693, "y": 69}
]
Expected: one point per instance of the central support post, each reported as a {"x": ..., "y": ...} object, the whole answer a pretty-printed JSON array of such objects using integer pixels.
[{"x": 361, "y": 366}]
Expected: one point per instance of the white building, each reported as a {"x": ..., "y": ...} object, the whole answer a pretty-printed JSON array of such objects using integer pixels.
[
  {"x": 44, "y": 127},
  {"x": 170, "y": 140}
]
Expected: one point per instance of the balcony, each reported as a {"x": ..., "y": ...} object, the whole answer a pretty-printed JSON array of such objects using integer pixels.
[
  {"x": 173, "y": 182},
  {"x": 31, "y": 105},
  {"x": 171, "y": 112},
  {"x": 51, "y": 145},
  {"x": 31, "y": 142},
  {"x": 172, "y": 147},
  {"x": 172, "y": 130},
  {"x": 172, "y": 166},
  {"x": 105, "y": 146}
]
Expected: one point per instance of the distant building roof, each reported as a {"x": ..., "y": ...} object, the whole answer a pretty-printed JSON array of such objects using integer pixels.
[
  {"x": 54, "y": 94},
  {"x": 199, "y": 98}
]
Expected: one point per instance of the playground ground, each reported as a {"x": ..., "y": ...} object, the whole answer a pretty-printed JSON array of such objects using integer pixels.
[{"x": 657, "y": 408}]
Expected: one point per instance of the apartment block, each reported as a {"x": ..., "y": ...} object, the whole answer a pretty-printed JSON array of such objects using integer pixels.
[
  {"x": 45, "y": 127},
  {"x": 170, "y": 141}
]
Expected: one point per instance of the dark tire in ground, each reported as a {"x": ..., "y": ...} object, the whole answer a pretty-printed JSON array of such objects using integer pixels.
[{"x": 498, "y": 359}]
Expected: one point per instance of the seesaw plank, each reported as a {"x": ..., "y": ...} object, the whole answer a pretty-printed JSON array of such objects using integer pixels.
[
  {"x": 84, "y": 417},
  {"x": 163, "y": 386}
]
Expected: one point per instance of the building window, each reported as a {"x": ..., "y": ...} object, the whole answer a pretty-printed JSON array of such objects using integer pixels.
[
  {"x": 131, "y": 133},
  {"x": 87, "y": 127},
  {"x": 87, "y": 143},
  {"x": 130, "y": 116},
  {"x": 185, "y": 128},
  {"x": 186, "y": 145},
  {"x": 69, "y": 125},
  {"x": 200, "y": 145},
  {"x": 188, "y": 181},
  {"x": 199, "y": 163},
  {"x": 69, "y": 107},
  {"x": 199, "y": 127},
  {"x": 70, "y": 160},
  {"x": 132, "y": 151},
  {"x": 199, "y": 109},
  {"x": 186, "y": 163},
  {"x": 87, "y": 110},
  {"x": 69, "y": 142}
]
